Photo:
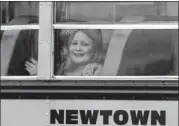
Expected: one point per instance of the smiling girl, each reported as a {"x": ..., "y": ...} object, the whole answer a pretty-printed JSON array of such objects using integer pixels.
[{"x": 85, "y": 54}]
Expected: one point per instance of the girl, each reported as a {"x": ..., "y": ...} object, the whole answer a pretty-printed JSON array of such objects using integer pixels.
[{"x": 84, "y": 54}]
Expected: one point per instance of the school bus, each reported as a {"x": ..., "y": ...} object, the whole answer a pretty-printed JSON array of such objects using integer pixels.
[{"x": 137, "y": 79}]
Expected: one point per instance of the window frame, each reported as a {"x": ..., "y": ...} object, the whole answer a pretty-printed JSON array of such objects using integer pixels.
[{"x": 46, "y": 29}]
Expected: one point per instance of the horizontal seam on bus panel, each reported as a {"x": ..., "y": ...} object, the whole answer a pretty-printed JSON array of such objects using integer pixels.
[
  {"x": 88, "y": 91},
  {"x": 115, "y": 78},
  {"x": 49, "y": 87},
  {"x": 81, "y": 78},
  {"x": 76, "y": 96}
]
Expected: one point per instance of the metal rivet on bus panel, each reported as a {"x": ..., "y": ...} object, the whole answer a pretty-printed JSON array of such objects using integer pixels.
[
  {"x": 163, "y": 81},
  {"x": 47, "y": 102}
]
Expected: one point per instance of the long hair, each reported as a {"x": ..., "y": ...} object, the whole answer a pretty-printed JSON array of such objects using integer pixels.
[{"x": 96, "y": 36}]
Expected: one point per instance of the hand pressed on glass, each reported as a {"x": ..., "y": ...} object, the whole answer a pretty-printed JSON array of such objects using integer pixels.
[{"x": 31, "y": 66}]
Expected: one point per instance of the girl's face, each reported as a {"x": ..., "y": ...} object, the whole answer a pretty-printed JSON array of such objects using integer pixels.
[{"x": 81, "y": 49}]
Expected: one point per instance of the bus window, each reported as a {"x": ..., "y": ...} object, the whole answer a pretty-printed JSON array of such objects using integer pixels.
[
  {"x": 12, "y": 10},
  {"x": 112, "y": 12},
  {"x": 101, "y": 51},
  {"x": 125, "y": 52},
  {"x": 117, "y": 52},
  {"x": 18, "y": 47}
]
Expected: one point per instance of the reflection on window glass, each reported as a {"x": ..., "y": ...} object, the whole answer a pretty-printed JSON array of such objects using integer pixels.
[
  {"x": 12, "y": 12},
  {"x": 113, "y": 12},
  {"x": 19, "y": 51},
  {"x": 94, "y": 52}
]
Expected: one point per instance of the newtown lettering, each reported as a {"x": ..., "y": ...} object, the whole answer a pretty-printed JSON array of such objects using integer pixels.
[{"x": 119, "y": 117}]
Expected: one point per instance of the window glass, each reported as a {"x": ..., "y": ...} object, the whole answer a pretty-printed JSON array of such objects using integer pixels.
[
  {"x": 114, "y": 12},
  {"x": 13, "y": 13},
  {"x": 93, "y": 52},
  {"x": 19, "y": 52}
]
